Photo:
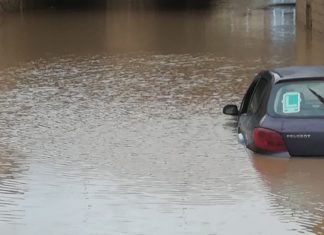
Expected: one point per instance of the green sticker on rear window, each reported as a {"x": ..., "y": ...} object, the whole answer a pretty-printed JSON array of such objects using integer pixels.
[{"x": 291, "y": 102}]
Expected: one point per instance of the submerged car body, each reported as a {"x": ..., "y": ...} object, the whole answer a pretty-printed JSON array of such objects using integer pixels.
[{"x": 283, "y": 112}]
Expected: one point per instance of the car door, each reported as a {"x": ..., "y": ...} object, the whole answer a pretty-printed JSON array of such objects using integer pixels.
[{"x": 250, "y": 114}]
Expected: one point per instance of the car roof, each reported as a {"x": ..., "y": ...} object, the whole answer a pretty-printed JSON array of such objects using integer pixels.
[{"x": 297, "y": 72}]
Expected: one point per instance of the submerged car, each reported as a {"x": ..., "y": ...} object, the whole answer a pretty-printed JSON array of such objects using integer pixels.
[{"x": 283, "y": 112}]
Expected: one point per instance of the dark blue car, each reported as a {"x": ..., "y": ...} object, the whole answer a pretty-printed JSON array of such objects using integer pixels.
[{"x": 283, "y": 112}]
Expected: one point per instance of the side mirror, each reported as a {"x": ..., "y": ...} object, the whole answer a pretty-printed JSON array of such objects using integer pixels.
[{"x": 231, "y": 110}]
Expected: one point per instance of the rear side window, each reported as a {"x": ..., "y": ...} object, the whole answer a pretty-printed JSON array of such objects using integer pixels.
[
  {"x": 298, "y": 99},
  {"x": 257, "y": 97}
]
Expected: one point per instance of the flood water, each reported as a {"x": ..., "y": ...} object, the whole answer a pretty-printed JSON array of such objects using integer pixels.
[{"x": 111, "y": 123}]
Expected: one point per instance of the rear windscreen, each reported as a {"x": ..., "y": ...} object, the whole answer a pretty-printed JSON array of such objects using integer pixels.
[{"x": 298, "y": 99}]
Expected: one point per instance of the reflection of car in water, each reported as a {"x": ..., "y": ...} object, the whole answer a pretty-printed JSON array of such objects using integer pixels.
[
  {"x": 295, "y": 187},
  {"x": 283, "y": 112}
]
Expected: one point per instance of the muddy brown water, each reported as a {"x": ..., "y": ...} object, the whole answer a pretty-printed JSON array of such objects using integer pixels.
[{"x": 111, "y": 123}]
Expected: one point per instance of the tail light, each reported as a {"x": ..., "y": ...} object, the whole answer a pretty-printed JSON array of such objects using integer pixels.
[{"x": 268, "y": 140}]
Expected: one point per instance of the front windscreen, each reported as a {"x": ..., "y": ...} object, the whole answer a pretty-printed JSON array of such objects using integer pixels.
[{"x": 298, "y": 99}]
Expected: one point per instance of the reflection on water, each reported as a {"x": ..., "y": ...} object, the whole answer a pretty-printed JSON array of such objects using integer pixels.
[
  {"x": 227, "y": 31},
  {"x": 309, "y": 48},
  {"x": 111, "y": 124},
  {"x": 296, "y": 189}
]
